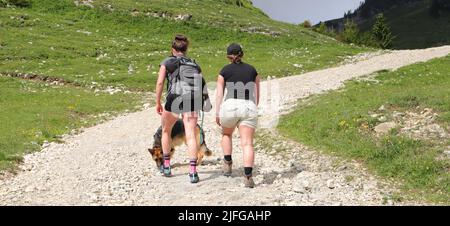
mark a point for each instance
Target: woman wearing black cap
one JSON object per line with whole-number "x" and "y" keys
{"x": 239, "y": 109}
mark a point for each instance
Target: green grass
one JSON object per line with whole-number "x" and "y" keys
{"x": 339, "y": 123}
{"x": 32, "y": 112}
{"x": 56, "y": 38}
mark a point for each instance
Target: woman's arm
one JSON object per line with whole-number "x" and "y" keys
{"x": 257, "y": 93}
{"x": 219, "y": 96}
{"x": 160, "y": 88}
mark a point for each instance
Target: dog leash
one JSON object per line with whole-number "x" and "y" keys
{"x": 201, "y": 127}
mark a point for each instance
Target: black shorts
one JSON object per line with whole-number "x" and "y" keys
{"x": 178, "y": 104}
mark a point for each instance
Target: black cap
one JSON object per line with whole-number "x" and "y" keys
{"x": 234, "y": 49}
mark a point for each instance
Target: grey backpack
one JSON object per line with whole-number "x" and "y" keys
{"x": 186, "y": 79}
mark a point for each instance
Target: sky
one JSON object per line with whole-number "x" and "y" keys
{"x": 297, "y": 11}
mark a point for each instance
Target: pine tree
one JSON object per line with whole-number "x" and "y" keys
{"x": 322, "y": 28}
{"x": 351, "y": 32}
{"x": 382, "y": 32}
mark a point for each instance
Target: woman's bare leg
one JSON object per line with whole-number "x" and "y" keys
{"x": 249, "y": 154}
{"x": 227, "y": 141}
{"x": 168, "y": 119}
{"x": 190, "y": 126}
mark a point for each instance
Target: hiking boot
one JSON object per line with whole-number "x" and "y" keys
{"x": 227, "y": 168}
{"x": 248, "y": 182}
{"x": 167, "y": 172}
{"x": 194, "y": 178}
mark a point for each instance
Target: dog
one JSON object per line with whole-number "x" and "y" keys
{"x": 178, "y": 138}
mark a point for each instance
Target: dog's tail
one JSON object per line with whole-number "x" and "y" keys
{"x": 206, "y": 150}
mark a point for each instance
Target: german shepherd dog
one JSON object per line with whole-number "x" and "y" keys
{"x": 178, "y": 138}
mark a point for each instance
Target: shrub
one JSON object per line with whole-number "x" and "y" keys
{"x": 382, "y": 32}
{"x": 306, "y": 24}
{"x": 322, "y": 28}
{"x": 240, "y": 3}
{"x": 367, "y": 39}
{"x": 16, "y": 3}
{"x": 351, "y": 32}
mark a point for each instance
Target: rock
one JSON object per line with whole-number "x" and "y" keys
{"x": 88, "y": 3}
{"x": 398, "y": 114}
{"x": 390, "y": 202}
{"x": 185, "y": 17}
{"x": 447, "y": 152}
{"x": 299, "y": 167}
{"x": 146, "y": 106}
{"x": 29, "y": 189}
{"x": 130, "y": 69}
{"x": 330, "y": 184}
{"x": 342, "y": 168}
{"x": 382, "y": 119}
{"x": 384, "y": 128}
{"x": 306, "y": 185}
{"x": 298, "y": 188}
{"x": 135, "y": 12}
{"x": 46, "y": 144}
{"x": 382, "y": 108}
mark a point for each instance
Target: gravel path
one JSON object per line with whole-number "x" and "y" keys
{"x": 108, "y": 164}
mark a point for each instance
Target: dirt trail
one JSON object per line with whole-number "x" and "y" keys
{"x": 108, "y": 164}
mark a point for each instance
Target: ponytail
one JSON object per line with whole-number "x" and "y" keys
{"x": 235, "y": 59}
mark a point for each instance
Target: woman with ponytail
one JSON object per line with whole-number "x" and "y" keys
{"x": 239, "y": 110}
{"x": 173, "y": 108}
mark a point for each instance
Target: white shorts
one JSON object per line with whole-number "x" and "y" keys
{"x": 236, "y": 112}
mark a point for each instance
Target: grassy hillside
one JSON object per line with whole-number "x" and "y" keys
{"x": 101, "y": 44}
{"x": 120, "y": 43}
{"x": 34, "y": 112}
{"x": 413, "y": 152}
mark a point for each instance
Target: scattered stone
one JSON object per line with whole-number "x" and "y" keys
{"x": 384, "y": 128}
{"x": 299, "y": 188}
{"x": 46, "y": 144}
{"x": 398, "y": 114}
{"x": 382, "y": 108}
{"x": 130, "y": 69}
{"x": 447, "y": 152}
{"x": 84, "y": 32}
{"x": 382, "y": 119}
{"x": 135, "y": 12}
{"x": 185, "y": 17}
{"x": 88, "y": 3}
{"x": 306, "y": 185}
{"x": 330, "y": 184}
{"x": 29, "y": 189}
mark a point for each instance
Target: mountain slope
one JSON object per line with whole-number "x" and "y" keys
{"x": 410, "y": 20}
{"x": 121, "y": 43}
